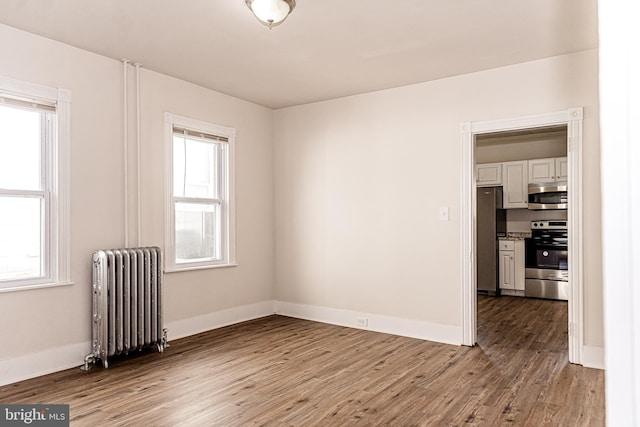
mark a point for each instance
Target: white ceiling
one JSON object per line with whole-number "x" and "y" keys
{"x": 325, "y": 49}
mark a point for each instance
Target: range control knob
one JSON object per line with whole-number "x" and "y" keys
{"x": 535, "y": 224}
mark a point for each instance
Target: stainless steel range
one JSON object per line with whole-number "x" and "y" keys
{"x": 546, "y": 260}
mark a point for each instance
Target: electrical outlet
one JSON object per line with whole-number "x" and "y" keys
{"x": 362, "y": 322}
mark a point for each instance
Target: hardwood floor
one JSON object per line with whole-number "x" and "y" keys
{"x": 280, "y": 371}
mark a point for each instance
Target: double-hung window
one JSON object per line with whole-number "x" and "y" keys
{"x": 199, "y": 194}
{"x": 33, "y": 186}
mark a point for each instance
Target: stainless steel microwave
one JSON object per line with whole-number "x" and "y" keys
{"x": 548, "y": 196}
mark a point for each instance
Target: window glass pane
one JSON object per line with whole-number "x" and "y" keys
{"x": 20, "y": 136}
{"x": 197, "y": 232}
{"x": 195, "y": 167}
{"x": 20, "y": 237}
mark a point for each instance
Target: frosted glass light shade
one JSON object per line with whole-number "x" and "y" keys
{"x": 271, "y": 12}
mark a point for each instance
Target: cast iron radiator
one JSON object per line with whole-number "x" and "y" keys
{"x": 127, "y": 303}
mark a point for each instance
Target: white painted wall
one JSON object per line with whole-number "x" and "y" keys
{"x": 359, "y": 181}
{"x": 50, "y": 327}
{"x": 620, "y": 94}
{"x": 554, "y": 145}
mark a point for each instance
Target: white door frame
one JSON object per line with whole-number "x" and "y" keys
{"x": 572, "y": 118}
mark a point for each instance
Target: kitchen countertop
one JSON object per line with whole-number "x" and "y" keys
{"x": 515, "y": 236}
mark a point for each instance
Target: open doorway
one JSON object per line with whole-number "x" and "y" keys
{"x": 571, "y": 120}
{"x": 522, "y": 239}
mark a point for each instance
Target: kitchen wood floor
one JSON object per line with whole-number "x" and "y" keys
{"x": 280, "y": 371}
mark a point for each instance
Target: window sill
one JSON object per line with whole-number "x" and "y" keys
{"x": 18, "y": 288}
{"x": 199, "y": 267}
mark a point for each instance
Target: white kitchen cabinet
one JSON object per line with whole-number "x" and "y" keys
{"x": 511, "y": 266}
{"x": 562, "y": 169}
{"x": 548, "y": 170}
{"x": 518, "y": 252}
{"x": 542, "y": 170}
{"x": 489, "y": 174}
{"x": 506, "y": 263}
{"x": 514, "y": 184}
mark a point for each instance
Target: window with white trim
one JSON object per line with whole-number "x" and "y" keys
{"x": 200, "y": 227}
{"x": 33, "y": 185}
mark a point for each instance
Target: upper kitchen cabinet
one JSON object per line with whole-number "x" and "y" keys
{"x": 548, "y": 170}
{"x": 514, "y": 184}
{"x": 562, "y": 168}
{"x": 489, "y": 174}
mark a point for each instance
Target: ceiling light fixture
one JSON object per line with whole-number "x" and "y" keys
{"x": 271, "y": 12}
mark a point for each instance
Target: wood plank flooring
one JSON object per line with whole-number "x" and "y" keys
{"x": 280, "y": 371}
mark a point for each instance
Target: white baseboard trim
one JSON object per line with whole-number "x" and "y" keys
{"x": 391, "y": 325}
{"x": 60, "y": 358}
{"x": 593, "y": 357}
{"x": 66, "y": 357}
{"x": 42, "y": 363}
{"x": 195, "y": 325}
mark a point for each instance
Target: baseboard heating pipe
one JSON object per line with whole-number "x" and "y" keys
{"x": 125, "y": 64}
{"x": 138, "y": 134}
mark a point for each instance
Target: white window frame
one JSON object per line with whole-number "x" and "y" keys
{"x": 56, "y": 263}
{"x": 227, "y": 198}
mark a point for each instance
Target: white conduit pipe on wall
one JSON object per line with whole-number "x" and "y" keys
{"x": 125, "y": 64}
{"x": 138, "y": 157}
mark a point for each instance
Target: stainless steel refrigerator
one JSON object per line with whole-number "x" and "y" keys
{"x": 491, "y": 223}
